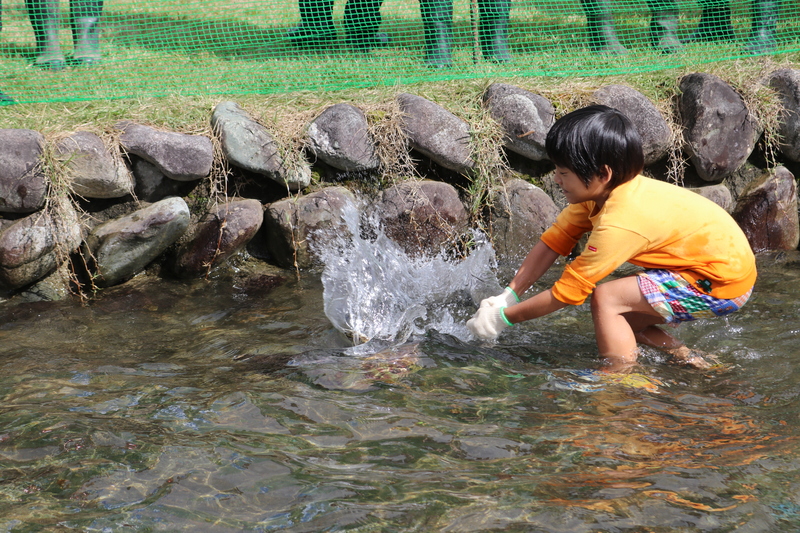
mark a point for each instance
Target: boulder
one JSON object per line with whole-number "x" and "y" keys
{"x": 151, "y": 184}
{"x": 124, "y": 246}
{"x": 654, "y": 130}
{"x": 719, "y": 130}
{"x": 422, "y": 217}
{"x": 719, "y": 194}
{"x": 248, "y": 145}
{"x": 33, "y": 247}
{"x": 93, "y": 171}
{"x": 767, "y": 212}
{"x": 222, "y": 232}
{"x": 340, "y": 137}
{"x": 436, "y": 133}
{"x": 294, "y": 223}
{"x": 179, "y": 156}
{"x": 525, "y": 118}
{"x": 786, "y": 83}
{"x": 520, "y": 213}
{"x": 23, "y": 185}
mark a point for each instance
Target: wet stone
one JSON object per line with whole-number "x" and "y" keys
{"x": 767, "y": 212}
{"x": 786, "y": 83}
{"x": 23, "y": 185}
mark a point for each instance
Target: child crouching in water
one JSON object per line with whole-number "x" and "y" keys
{"x": 697, "y": 261}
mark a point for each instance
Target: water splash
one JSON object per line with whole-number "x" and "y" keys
{"x": 374, "y": 292}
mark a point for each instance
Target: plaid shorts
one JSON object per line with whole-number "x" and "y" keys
{"x": 677, "y": 300}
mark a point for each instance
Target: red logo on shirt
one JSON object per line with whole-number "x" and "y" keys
{"x": 592, "y": 249}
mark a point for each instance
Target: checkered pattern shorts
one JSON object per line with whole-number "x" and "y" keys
{"x": 675, "y": 299}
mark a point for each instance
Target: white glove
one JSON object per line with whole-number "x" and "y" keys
{"x": 488, "y": 323}
{"x": 507, "y": 298}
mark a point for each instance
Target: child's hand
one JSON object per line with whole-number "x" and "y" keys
{"x": 488, "y": 322}
{"x": 507, "y": 298}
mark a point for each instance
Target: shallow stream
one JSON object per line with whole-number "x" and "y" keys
{"x": 228, "y": 405}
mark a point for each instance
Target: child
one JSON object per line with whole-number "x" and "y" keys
{"x": 697, "y": 261}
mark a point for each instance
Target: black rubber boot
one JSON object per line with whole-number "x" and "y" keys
{"x": 763, "y": 33}
{"x": 493, "y": 29}
{"x": 316, "y": 24}
{"x": 437, "y": 24}
{"x": 362, "y": 18}
{"x": 664, "y": 26}
{"x": 44, "y": 16}
{"x": 600, "y": 25}
{"x": 715, "y": 22}
{"x": 85, "y": 21}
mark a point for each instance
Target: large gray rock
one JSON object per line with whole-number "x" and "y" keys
{"x": 222, "y": 232}
{"x": 719, "y": 130}
{"x": 654, "y": 130}
{"x": 248, "y": 145}
{"x": 520, "y": 213}
{"x": 767, "y": 212}
{"x": 786, "y": 83}
{"x": 124, "y": 246}
{"x": 33, "y": 247}
{"x": 525, "y": 117}
{"x": 92, "y": 170}
{"x": 719, "y": 194}
{"x": 421, "y": 216}
{"x": 23, "y": 185}
{"x": 179, "y": 156}
{"x": 151, "y": 185}
{"x": 340, "y": 137}
{"x": 294, "y": 223}
{"x": 436, "y": 133}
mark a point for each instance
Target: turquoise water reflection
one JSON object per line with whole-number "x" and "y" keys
{"x": 232, "y": 406}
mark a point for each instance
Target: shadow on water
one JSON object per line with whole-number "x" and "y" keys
{"x": 235, "y": 405}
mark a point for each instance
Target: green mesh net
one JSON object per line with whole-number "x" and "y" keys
{"x": 84, "y": 50}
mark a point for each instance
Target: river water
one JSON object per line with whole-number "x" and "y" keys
{"x": 231, "y": 404}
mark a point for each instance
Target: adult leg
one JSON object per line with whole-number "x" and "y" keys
{"x": 664, "y": 25}
{"x": 763, "y": 32}
{"x": 362, "y": 18}
{"x": 316, "y": 24}
{"x": 85, "y": 21}
{"x": 493, "y": 29}
{"x": 715, "y": 22}
{"x": 600, "y": 24}
{"x": 437, "y": 25}
{"x": 44, "y": 16}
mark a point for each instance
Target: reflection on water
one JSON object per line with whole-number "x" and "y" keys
{"x": 234, "y": 406}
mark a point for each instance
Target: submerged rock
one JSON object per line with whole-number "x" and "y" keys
{"x": 525, "y": 117}
{"x": 179, "y": 156}
{"x": 767, "y": 212}
{"x": 93, "y": 171}
{"x": 23, "y": 185}
{"x": 340, "y": 137}
{"x": 122, "y": 247}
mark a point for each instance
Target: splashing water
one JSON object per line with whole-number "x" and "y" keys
{"x": 374, "y": 291}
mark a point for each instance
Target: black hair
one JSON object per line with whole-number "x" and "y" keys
{"x": 592, "y": 137}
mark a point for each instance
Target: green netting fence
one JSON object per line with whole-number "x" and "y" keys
{"x": 86, "y": 50}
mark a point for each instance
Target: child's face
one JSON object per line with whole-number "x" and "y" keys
{"x": 576, "y": 191}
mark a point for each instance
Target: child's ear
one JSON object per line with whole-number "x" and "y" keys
{"x": 604, "y": 175}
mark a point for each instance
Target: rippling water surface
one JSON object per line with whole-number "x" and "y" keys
{"x": 231, "y": 405}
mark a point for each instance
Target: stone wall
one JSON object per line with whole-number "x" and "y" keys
{"x": 84, "y": 212}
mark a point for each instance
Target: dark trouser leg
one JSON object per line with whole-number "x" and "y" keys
{"x": 316, "y": 24}
{"x": 362, "y": 18}
{"x": 664, "y": 25}
{"x": 493, "y": 29}
{"x": 715, "y": 22}
{"x": 437, "y": 23}
{"x": 763, "y": 32}
{"x": 44, "y": 17}
{"x": 85, "y": 20}
{"x": 600, "y": 24}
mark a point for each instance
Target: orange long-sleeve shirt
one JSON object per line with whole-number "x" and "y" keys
{"x": 652, "y": 224}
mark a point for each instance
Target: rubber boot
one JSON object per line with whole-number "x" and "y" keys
{"x": 715, "y": 22}
{"x": 85, "y": 21}
{"x": 600, "y": 25}
{"x": 44, "y": 17}
{"x": 316, "y": 24}
{"x": 437, "y": 24}
{"x": 493, "y": 29}
{"x": 362, "y": 18}
{"x": 763, "y": 33}
{"x": 664, "y": 26}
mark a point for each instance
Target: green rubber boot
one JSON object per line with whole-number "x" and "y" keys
{"x": 715, "y": 22}
{"x": 44, "y": 16}
{"x": 362, "y": 18}
{"x": 85, "y": 21}
{"x": 316, "y": 28}
{"x": 493, "y": 29}
{"x": 664, "y": 26}
{"x": 763, "y": 33}
{"x": 600, "y": 25}
{"x": 437, "y": 24}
